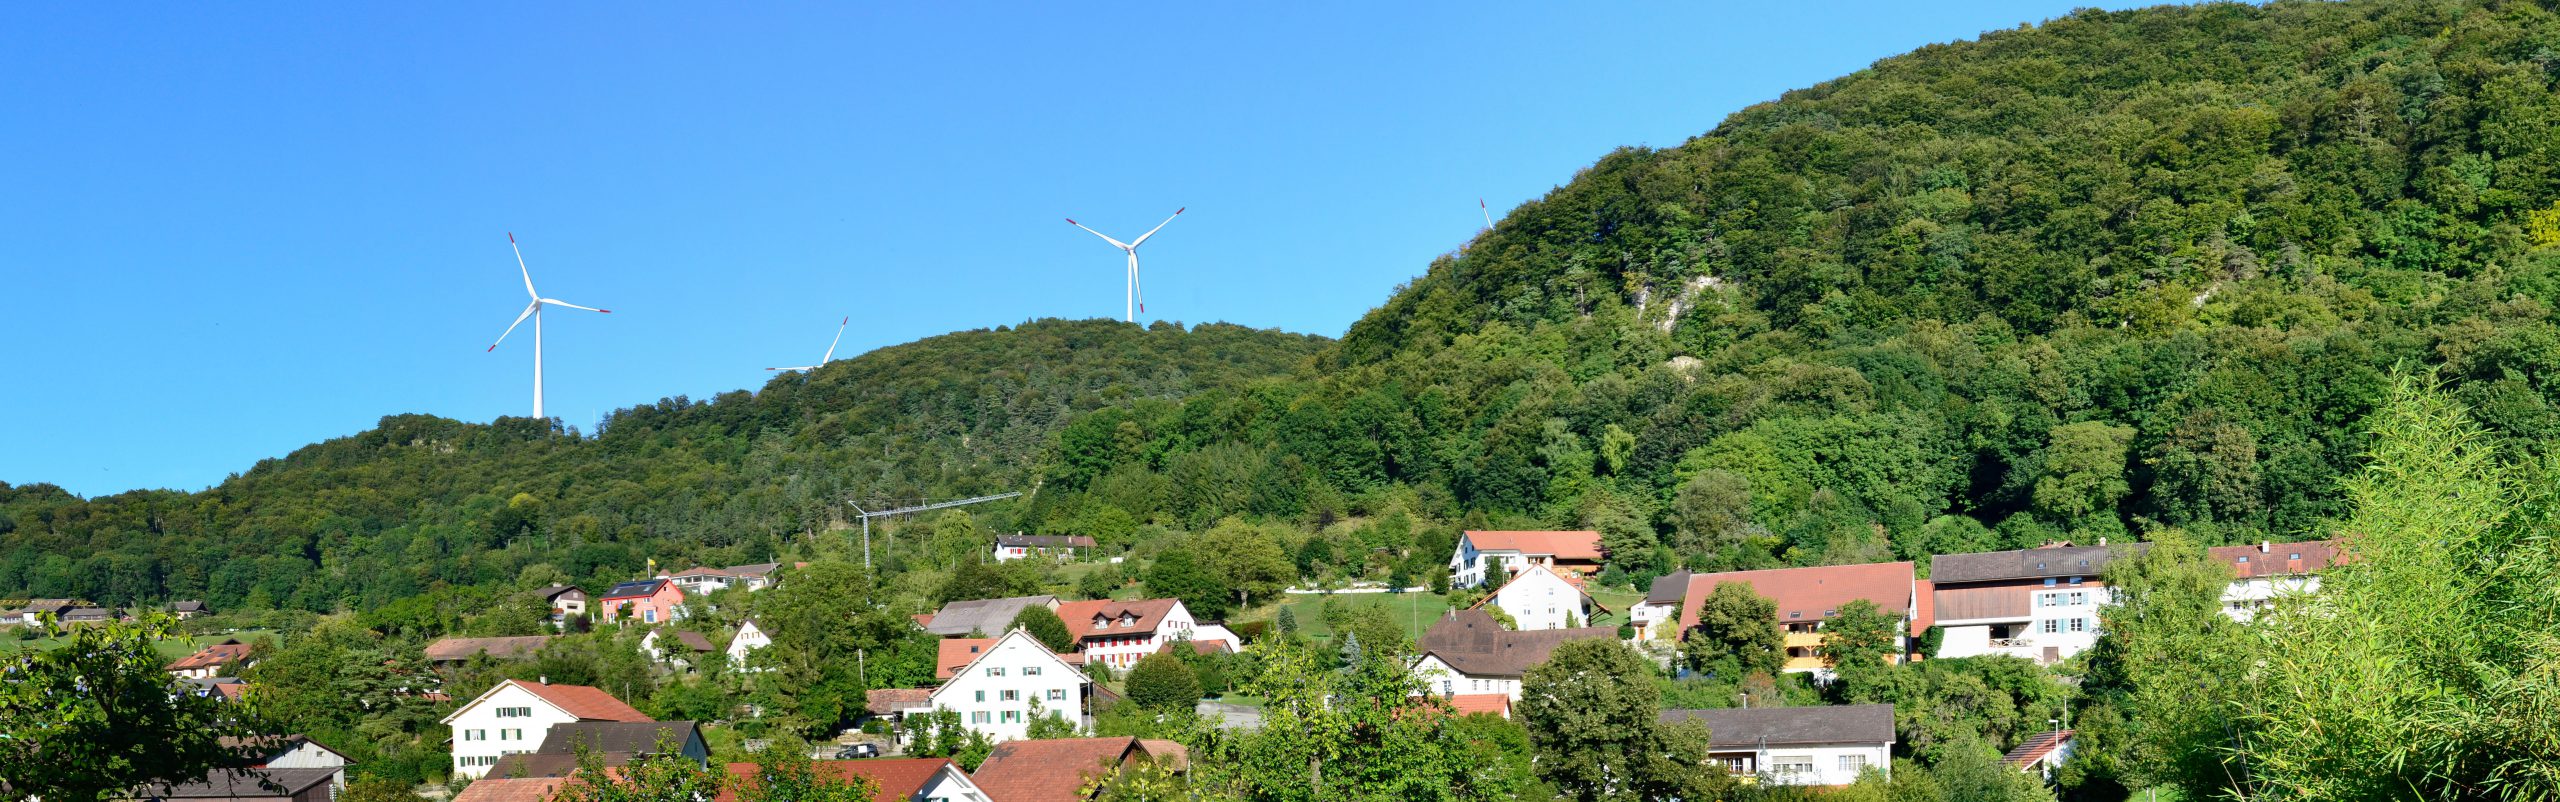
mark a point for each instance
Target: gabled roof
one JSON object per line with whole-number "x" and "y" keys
{"x": 2051, "y": 561}
{"x": 1147, "y": 614}
{"x": 2258, "y": 560}
{"x": 214, "y": 656}
{"x": 638, "y": 589}
{"x": 1565, "y": 545}
{"x": 1056, "y": 770}
{"x": 898, "y": 779}
{"x": 499, "y": 788}
{"x": 1045, "y": 541}
{"x": 270, "y": 747}
{"x": 636, "y": 737}
{"x": 756, "y": 570}
{"x": 226, "y": 784}
{"x": 988, "y": 616}
{"x": 553, "y": 592}
{"x": 1747, "y": 728}
{"x": 578, "y": 701}
{"x": 1540, "y": 569}
{"x": 884, "y": 701}
{"x": 1498, "y": 704}
{"x": 530, "y": 765}
{"x": 691, "y": 639}
{"x": 952, "y": 654}
{"x": 2035, "y": 748}
{"x": 1807, "y": 595}
{"x": 1669, "y": 588}
{"x": 1471, "y": 642}
{"x": 186, "y": 607}
{"x": 513, "y": 648}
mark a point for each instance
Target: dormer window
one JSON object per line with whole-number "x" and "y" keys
{"x": 1794, "y": 614}
{"x": 2244, "y": 559}
{"x": 2294, "y": 556}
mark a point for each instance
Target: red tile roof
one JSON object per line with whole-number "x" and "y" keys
{"x": 213, "y": 656}
{"x": 588, "y": 704}
{"x": 1806, "y": 595}
{"x": 2256, "y": 560}
{"x": 511, "y": 648}
{"x": 884, "y": 701}
{"x": 1079, "y": 616}
{"x": 511, "y": 789}
{"x": 953, "y": 654}
{"x": 1472, "y": 703}
{"x": 1924, "y": 594}
{"x": 1575, "y": 545}
{"x": 898, "y": 779}
{"x": 2035, "y": 748}
{"x": 1051, "y": 770}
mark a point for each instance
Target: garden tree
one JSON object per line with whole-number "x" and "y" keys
{"x": 1044, "y": 625}
{"x": 1369, "y": 618}
{"x": 1859, "y": 642}
{"x": 2165, "y": 673}
{"x": 1139, "y": 780}
{"x": 940, "y": 734}
{"x": 1180, "y": 575}
{"x": 1991, "y": 700}
{"x": 1499, "y": 747}
{"x": 1247, "y": 561}
{"x": 1368, "y": 734}
{"x": 2083, "y": 474}
{"x": 956, "y": 538}
{"x": 1048, "y": 724}
{"x": 1591, "y": 711}
{"x": 1735, "y": 624}
{"x": 973, "y": 578}
{"x": 374, "y": 788}
{"x": 784, "y": 774}
{"x": 1163, "y": 682}
{"x": 92, "y": 719}
{"x": 836, "y": 636}
{"x": 663, "y": 774}
{"x": 1286, "y": 622}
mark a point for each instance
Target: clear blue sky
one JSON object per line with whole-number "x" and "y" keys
{"x": 232, "y": 230}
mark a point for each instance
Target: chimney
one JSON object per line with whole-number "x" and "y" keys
{"x": 2102, "y": 540}
{"x": 2262, "y": 547}
{"x": 542, "y": 680}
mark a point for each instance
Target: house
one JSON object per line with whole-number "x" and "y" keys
{"x": 2266, "y": 572}
{"x": 1118, "y": 634}
{"x": 615, "y": 743}
{"x": 509, "y": 789}
{"x": 1466, "y": 652}
{"x": 212, "y": 661}
{"x": 748, "y": 638}
{"x": 898, "y": 780}
{"x": 89, "y": 615}
{"x": 1807, "y": 598}
{"x": 1539, "y": 598}
{"x": 567, "y": 604}
{"x": 756, "y": 576}
{"x": 1002, "y": 686}
{"x": 701, "y": 580}
{"x": 1057, "y": 770}
{"x": 647, "y": 601}
{"x": 38, "y": 608}
{"x": 455, "y": 650}
{"x": 1822, "y": 746}
{"x": 2040, "y": 604}
{"x": 252, "y": 785}
{"x": 515, "y": 716}
{"x": 295, "y": 751}
{"x": 1058, "y": 547}
{"x": 1661, "y": 603}
{"x": 983, "y": 616}
{"x": 2041, "y": 754}
{"x": 228, "y": 689}
{"x": 1483, "y": 557}
{"x": 188, "y": 609}
{"x": 694, "y": 642}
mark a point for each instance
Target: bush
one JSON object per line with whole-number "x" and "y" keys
{"x": 1162, "y": 682}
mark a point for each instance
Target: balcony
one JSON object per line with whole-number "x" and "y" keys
{"x": 2013, "y": 643}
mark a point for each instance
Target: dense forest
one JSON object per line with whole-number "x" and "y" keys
{"x": 2116, "y": 272}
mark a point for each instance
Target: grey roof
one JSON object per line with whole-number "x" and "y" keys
{"x": 1993, "y": 566}
{"x": 89, "y": 614}
{"x": 1746, "y": 728}
{"x": 1470, "y": 641}
{"x": 757, "y": 569}
{"x": 1045, "y": 541}
{"x": 553, "y": 592}
{"x": 642, "y": 587}
{"x": 989, "y": 616}
{"x": 1668, "y": 589}
{"x": 187, "y": 606}
{"x": 528, "y": 764}
{"x": 617, "y": 736}
{"x": 226, "y": 784}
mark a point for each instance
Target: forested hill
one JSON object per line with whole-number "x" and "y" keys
{"x": 2118, "y": 271}
{"x": 419, "y": 500}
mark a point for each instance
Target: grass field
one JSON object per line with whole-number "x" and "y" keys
{"x": 1415, "y": 610}
{"x": 171, "y": 649}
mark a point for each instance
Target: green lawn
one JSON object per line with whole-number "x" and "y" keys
{"x": 1416, "y": 610}
{"x": 171, "y": 649}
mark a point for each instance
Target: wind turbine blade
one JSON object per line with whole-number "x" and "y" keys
{"x": 1105, "y": 237}
{"x": 572, "y": 306}
{"x": 1138, "y": 289}
{"x": 528, "y": 272}
{"x": 831, "y": 344}
{"x": 529, "y": 309}
{"x": 1142, "y": 238}
{"x": 1488, "y": 212}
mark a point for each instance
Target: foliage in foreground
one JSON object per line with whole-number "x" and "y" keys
{"x": 96, "y": 717}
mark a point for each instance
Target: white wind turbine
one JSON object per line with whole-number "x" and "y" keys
{"x": 534, "y": 310}
{"x": 1133, "y": 305}
{"x": 831, "y": 348}
{"x": 1488, "y": 213}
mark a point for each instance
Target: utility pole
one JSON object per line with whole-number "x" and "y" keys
{"x": 867, "y": 515}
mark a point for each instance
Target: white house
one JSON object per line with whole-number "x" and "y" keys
{"x": 1055, "y": 547}
{"x": 658, "y": 651}
{"x": 1483, "y": 557}
{"x": 1661, "y": 603}
{"x": 1825, "y": 745}
{"x": 2040, "y": 604}
{"x": 748, "y": 639}
{"x": 513, "y": 717}
{"x": 296, "y": 752}
{"x": 1468, "y": 654}
{"x": 1537, "y": 598}
{"x": 2041, "y": 754}
{"x": 998, "y": 691}
{"x": 2266, "y": 572}
{"x": 1119, "y": 634}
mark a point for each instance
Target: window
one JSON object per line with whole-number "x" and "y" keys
{"x": 1448, "y": 688}
{"x": 1057, "y": 694}
{"x": 1797, "y": 764}
{"x": 1794, "y": 614}
{"x": 2079, "y": 598}
{"x": 2048, "y": 581}
{"x": 995, "y": 671}
{"x": 2052, "y": 625}
{"x": 1010, "y": 696}
{"x": 2294, "y": 556}
{"x": 1031, "y": 671}
{"x": 649, "y": 615}
{"x": 1013, "y": 717}
{"x": 981, "y": 717}
{"x": 2079, "y": 625}
{"x": 1737, "y": 765}
{"x": 982, "y": 696}
{"x": 1852, "y": 764}
{"x": 1830, "y": 613}
{"x": 2244, "y": 558}
{"x": 2075, "y": 580}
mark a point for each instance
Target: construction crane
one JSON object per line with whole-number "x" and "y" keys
{"x": 867, "y": 515}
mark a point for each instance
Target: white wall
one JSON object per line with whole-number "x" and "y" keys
{"x": 481, "y": 735}
{"x": 1131, "y": 645}
{"x": 1825, "y": 761}
{"x": 949, "y": 785}
{"x": 1538, "y": 599}
{"x": 1020, "y": 665}
{"x": 307, "y": 755}
{"x": 1441, "y": 679}
{"x": 1647, "y": 616}
{"x": 2243, "y": 598}
{"x": 748, "y": 639}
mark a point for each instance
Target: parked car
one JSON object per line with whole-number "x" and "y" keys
{"x": 858, "y": 752}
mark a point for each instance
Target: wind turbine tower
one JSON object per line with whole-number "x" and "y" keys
{"x": 1135, "y": 302}
{"x": 534, "y": 310}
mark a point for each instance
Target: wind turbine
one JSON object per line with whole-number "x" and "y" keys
{"x": 1133, "y": 305}
{"x": 1488, "y": 214}
{"x": 831, "y": 348}
{"x": 534, "y": 310}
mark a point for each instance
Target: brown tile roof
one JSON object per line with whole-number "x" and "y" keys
{"x": 2257, "y": 560}
{"x": 588, "y": 704}
{"x": 1080, "y": 615}
{"x": 495, "y": 788}
{"x": 1176, "y": 756}
{"x": 2036, "y": 747}
{"x": 1051, "y": 770}
{"x": 1745, "y": 728}
{"x": 884, "y": 701}
{"x": 898, "y": 779}
{"x": 225, "y": 784}
{"x": 530, "y": 765}
{"x": 214, "y": 656}
{"x": 1472, "y": 703}
{"x": 1573, "y": 545}
{"x": 2037, "y": 563}
{"x": 1924, "y": 593}
{"x": 1808, "y": 595}
{"x": 1471, "y": 642}
{"x": 516, "y": 648}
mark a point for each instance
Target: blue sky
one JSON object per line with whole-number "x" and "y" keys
{"x": 227, "y": 235}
